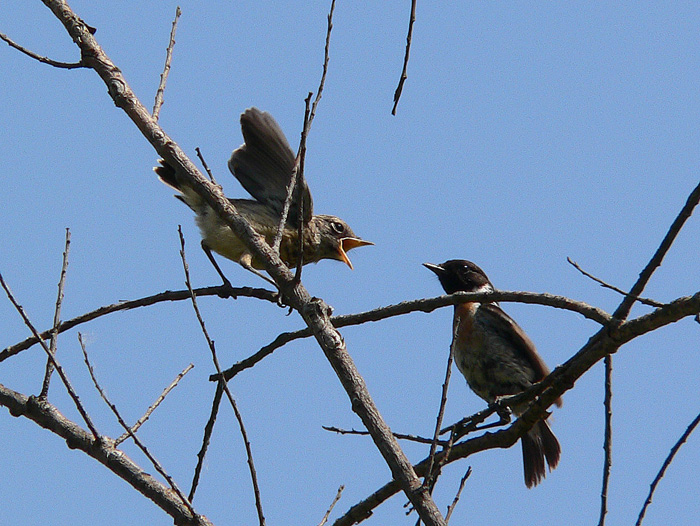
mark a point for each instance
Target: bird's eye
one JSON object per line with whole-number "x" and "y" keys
{"x": 338, "y": 228}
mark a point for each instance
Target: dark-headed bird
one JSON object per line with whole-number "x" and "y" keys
{"x": 497, "y": 358}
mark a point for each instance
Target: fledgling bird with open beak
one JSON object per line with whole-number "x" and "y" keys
{"x": 264, "y": 165}
{"x": 497, "y": 358}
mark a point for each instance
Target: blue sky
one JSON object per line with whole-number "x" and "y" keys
{"x": 525, "y": 134}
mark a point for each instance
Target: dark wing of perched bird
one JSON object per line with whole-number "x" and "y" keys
{"x": 510, "y": 331}
{"x": 265, "y": 163}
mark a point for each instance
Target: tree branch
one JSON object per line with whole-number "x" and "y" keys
{"x": 624, "y": 309}
{"x": 43, "y": 60}
{"x": 48, "y": 417}
{"x": 422, "y": 305}
{"x": 606, "y": 342}
{"x": 166, "y": 68}
{"x": 178, "y": 295}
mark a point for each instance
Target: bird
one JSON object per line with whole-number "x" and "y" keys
{"x": 264, "y": 165}
{"x": 497, "y": 359}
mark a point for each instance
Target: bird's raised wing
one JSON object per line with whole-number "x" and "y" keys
{"x": 264, "y": 165}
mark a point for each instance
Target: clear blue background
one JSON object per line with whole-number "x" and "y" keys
{"x": 526, "y": 133}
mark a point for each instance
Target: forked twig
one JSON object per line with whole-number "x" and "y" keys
{"x": 298, "y": 165}
{"x": 462, "y": 483}
{"x": 54, "y": 362}
{"x": 126, "y": 427}
{"x": 645, "y": 301}
{"x": 154, "y": 406}
{"x": 208, "y": 430}
{"x": 212, "y": 348}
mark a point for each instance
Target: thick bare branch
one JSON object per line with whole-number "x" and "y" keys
{"x": 314, "y": 311}
{"x": 48, "y": 417}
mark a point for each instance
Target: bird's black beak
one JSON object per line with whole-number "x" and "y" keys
{"x": 435, "y": 268}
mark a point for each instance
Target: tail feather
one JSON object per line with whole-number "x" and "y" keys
{"x": 166, "y": 173}
{"x": 539, "y": 444}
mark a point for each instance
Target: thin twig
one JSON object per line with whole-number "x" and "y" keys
{"x": 206, "y": 166}
{"x": 623, "y": 310}
{"x": 428, "y": 479}
{"x": 462, "y": 483}
{"x": 222, "y": 291}
{"x": 56, "y": 317}
{"x": 166, "y": 69}
{"x": 404, "y": 76}
{"x": 607, "y": 443}
{"x": 400, "y": 436}
{"x": 645, "y": 301}
{"x": 326, "y": 59}
{"x": 43, "y": 60}
{"x": 422, "y": 305}
{"x": 154, "y": 405}
{"x": 285, "y": 209}
{"x": 208, "y": 430}
{"x": 54, "y": 361}
{"x": 212, "y": 348}
{"x": 138, "y": 442}
{"x": 665, "y": 465}
{"x": 308, "y": 119}
{"x": 330, "y": 509}
{"x": 300, "y": 184}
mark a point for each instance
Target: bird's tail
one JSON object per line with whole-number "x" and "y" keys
{"x": 168, "y": 175}
{"x": 539, "y": 444}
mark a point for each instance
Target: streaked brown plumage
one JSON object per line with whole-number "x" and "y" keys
{"x": 264, "y": 165}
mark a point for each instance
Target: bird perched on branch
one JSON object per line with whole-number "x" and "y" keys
{"x": 264, "y": 165}
{"x": 497, "y": 359}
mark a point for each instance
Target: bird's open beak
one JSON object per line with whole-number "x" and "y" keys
{"x": 348, "y": 243}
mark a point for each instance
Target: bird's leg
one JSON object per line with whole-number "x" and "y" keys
{"x": 207, "y": 251}
{"x": 246, "y": 261}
